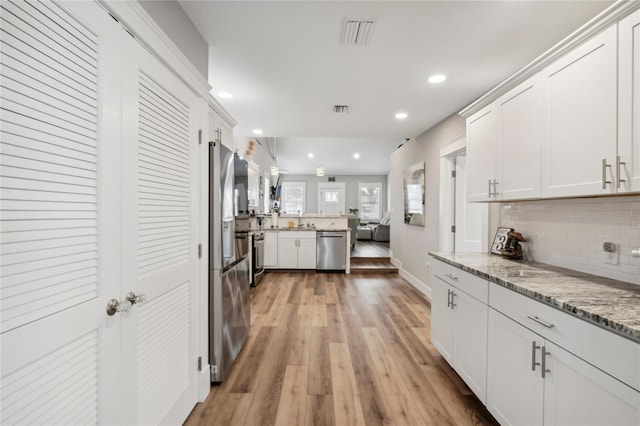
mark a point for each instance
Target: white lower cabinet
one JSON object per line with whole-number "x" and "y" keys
{"x": 270, "y": 249}
{"x": 533, "y": 381}
{"x": 297, "y": 250}
{"x": 532, "y": 364}
{"x": 459, "y": 330}
{"x": 514, "y": 389}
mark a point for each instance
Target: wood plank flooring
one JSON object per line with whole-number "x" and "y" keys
{"x": 335, "y": 349}
{"x": 369, "y": 248}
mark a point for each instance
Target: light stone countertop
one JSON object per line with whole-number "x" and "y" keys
{"x": 286, "y": 228}
{"x": 611, "y": 304}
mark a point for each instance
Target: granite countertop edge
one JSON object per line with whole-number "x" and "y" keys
{"x": 629, "y": 332}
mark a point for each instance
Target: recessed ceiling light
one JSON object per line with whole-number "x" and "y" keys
{"x": 437, "y": 78}
{"x": 401, "y": 115}
{"x": 356, "y": 155}
{"x": 257, "y": 131}
{"x": 310, "y": 155}
{"x": 225, "y": 95}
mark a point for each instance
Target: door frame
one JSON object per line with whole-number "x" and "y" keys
{"x": 447, "y": 198}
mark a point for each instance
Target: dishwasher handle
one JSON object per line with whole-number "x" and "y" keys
{"x": 331, "y": 234}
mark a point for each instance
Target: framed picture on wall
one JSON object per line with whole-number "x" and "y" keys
{"x": 499, "y": 240}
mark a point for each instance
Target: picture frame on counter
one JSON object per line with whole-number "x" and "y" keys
{"x": 499, "y": 240}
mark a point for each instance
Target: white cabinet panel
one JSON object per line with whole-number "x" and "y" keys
{"x": 307, "y": 253}
{"x": 628, "y": 165}
{"x": 442, "y": 327}
{"x": 287, "y": 253}
{"x": 577, "y": 393}
{"x": 579, "y": 120}
{"x": 271, "y": 249}
{"x": 570, "y": 391}
{"x": 297, "y": 250}
{"x": 518, "y": 114}
{"x": 482, "y": 146}
{"x": 459, "y": 324}
{"x": 514, "y": 385}
{"x": 470, "y": 354}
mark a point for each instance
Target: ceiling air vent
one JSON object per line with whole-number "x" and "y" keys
{"x": 341, "y": 109}
{"x": 357, "y": 31}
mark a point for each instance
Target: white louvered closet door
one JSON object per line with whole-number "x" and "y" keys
{"x": 60, "y": 203}
{"x": 160, "y": 256}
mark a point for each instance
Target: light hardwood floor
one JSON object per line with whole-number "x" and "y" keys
{"x": 335, "y": 349}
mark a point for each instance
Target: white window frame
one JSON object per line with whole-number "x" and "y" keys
{"x": 362, "y": 185}
{"x": 283, "y": 201}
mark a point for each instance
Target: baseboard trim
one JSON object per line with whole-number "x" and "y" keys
{"x": 415, "y": 282}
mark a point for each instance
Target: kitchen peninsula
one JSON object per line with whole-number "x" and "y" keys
{"x": 290, "y": 241}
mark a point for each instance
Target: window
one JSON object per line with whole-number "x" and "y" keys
{"x": 292, "y": 197}
{"x": 369, "y": 199}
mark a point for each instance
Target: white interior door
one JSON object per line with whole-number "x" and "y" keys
{"x": 160, "y": 229}
{"x": 468, "y": 216}
{"x": 60, "y": 186}
{"x": 331, "y": 198}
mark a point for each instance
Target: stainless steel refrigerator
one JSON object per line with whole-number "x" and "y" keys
{"x": 229, "y": 318}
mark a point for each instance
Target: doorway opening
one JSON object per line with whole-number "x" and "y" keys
{"x": 463, "y": 224}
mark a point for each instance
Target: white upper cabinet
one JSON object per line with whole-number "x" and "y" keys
{"x": 503, "y": 147}
{"x": 482, "y": 155}
{"x": 579, "y": 121}
{"x": 628, "y": 161}
{"x": 518, "y": 115}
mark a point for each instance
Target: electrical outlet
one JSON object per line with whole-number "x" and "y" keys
{"x": 612, "y": 254}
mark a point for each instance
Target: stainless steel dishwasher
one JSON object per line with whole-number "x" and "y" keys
{"x": 331, "y": 250}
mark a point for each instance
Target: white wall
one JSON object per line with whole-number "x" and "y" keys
{"x": 410, "y": 244}
{"x": 570, "y": 233}
{"x": 174, "y": 22}
{"x": 351, "y": 188}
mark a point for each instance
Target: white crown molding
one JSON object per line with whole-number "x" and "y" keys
{"x": 605, "y": 19}
{"x": 141, "y": 25}
{"x": 219, "y": 109}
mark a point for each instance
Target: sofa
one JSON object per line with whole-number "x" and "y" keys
{"x": 381, "y": 231}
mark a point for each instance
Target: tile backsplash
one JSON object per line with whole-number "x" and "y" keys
{"x": 570, "y": 233}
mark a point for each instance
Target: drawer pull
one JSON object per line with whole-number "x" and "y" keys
{"x": 539, "y": 321}
{"x": 453, "y": 277}
{"x": 534, "y": 348}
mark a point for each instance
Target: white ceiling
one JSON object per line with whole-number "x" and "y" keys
{"x": 285, "y": 66}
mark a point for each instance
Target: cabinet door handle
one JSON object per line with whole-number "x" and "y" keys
{"x": 619, "y": 171}
{"x": 544, "y": 362}
{"x": 495, "y": 188}
{"x": 539, "y": 321}
{"x": 453, "y": 277}
{"x": 453, "y": 303}
{"x": 448, "y": 298}
{"x": 490, "y": 193}
{"x": 605, "y": 182}
{"x": 534, "y": 348}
